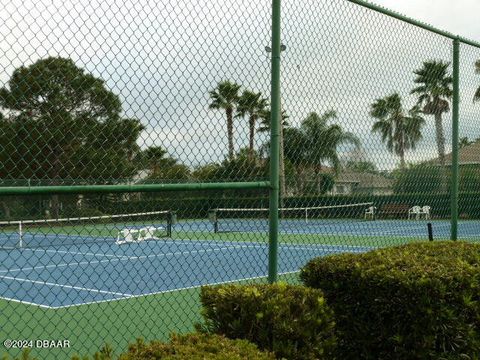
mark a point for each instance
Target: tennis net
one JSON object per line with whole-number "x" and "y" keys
{"x": 81, "y": 230}
{"x": 256, "y": 219}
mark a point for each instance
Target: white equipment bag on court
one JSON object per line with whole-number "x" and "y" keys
{"x": 129, "y": 235}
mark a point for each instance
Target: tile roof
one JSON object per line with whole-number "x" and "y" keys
{"x": 364, "y": 180}
{"x": 469, "y": 154}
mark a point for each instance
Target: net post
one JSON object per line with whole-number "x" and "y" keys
{"x": 20, "y": 234}
{"x": 212, "y": 216}
{"x": 455, "y": 125}
{"x": 430, "y": 232}
{"x": 274, "y": 144}
{"x": 306, "y": 215}
{"x": 171, "y": 219}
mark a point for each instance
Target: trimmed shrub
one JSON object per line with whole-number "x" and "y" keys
{"x": 195, "y": 347}
{"x": 106, "y": 353}
{"x": 292, "y": 321}
{"x": 417, "y": 301}
{"x": 25, "y": 355}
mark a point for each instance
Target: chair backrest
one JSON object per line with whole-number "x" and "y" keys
{"x": 426, "y": 208}
{"x": 371, "y": 209}
{"x": 416, "y": 209}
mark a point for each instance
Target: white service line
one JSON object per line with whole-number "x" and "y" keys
{"x": 316, "y": 247}
{"x": 63, "y": 286}
{"x": 406, "y": 230}
{"x": 120, "y": 259}
{"x": 403, "y": 232}
{"x": 27, "y": 303}
{"x": 322, "y": 248}
{"x": 172, "y": 290}
{"x": 72, "y": 252}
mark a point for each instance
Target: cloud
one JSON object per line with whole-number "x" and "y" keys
{"x": 458, "y": 17}
{"x": 163, "y": 58}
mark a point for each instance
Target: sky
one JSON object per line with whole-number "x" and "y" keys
{"x": 459, "y": 17}
{"x": 163, "y": 57}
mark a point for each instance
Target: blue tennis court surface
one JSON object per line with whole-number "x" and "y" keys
{"x": 75, "y": 275}
{"x": 83, "y": 273}
{"x": 415, "y": 229}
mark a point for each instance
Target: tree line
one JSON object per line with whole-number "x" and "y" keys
{"x": 58, "y": 122}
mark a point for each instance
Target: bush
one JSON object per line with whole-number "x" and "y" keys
{"x": 195, "y": 347}
{"x": 198, "y": 207}
{"x": 106, "y": 353}
{"x": 417, "y": 301}
{"x": 292, "y": 321}
{"x": 25, "y": 355}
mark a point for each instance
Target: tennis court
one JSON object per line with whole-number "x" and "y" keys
{"x": 63, "y": 276}
{"x": 468, "y": 229}
{"x": 73, "y": 264}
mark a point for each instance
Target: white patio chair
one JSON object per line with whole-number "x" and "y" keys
{"x": 370, "y": 212}
{"x": 416, "y": 210}
{"x": 426, "y": 211}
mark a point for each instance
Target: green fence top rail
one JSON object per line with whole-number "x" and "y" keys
{"x": 414, "y": 22}
{"x": 77, "y": 189}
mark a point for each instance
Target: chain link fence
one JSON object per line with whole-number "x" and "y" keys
{"x": 136, "y": 147}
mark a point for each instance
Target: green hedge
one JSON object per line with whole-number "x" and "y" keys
{"x": 196, "y": 347}
{"x": 292, "y": 321}
{"x": 197, "y": 207}
{"x": 417, "y": 301}
{"x": 25, "y": 355}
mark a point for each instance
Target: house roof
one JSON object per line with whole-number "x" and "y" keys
{"x": 467, "y": 155}
{"x": 364, "y": 180}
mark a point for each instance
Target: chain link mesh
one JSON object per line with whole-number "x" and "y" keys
{"x": 139, "y": 93}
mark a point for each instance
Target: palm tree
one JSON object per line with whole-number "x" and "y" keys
{"x": 265, "y": 122}
{"x": 434, "y": 92}
{"x": 253, "y": 105}
{"x": 266, "y": 117}
{"x": 322, "y": 141}
{"x": 400, "y": 130}
{"x": 476, "y": 97}
{"x": 294, "y": 153}
{"x": 225, "y": 97}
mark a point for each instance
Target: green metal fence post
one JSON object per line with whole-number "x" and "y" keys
{"x": 274, "y": 144}
{"x": 455, "y": 120}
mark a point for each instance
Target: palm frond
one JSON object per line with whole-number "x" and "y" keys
{"x": 476, "y": 97}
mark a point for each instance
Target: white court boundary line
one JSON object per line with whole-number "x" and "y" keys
{"x": 281, "y": 244}
{"x": 131, "y": 296}
{"x": 319, "y": 247}
{"x": 402, "y": 233}
{"x": 46, "y": 283}
{"x": 72, "y": 252}
{"x": 27, "y": 303}
{"x": 120, "y": 259}
{"x": 187, "y": 252}
{"x": 100, "y": 240}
